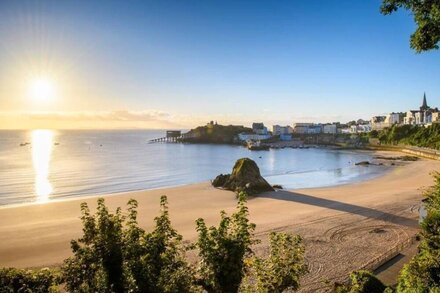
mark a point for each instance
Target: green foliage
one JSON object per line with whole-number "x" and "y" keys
{"x": 97, "y": 262}
{"x": 115, "y": 255}
{"x": 374, "y": 133}
{"x": 27, "y": 281}
{"x": 283, "y": 267}
{"x": 412, "y": 135}
{"x": 432, "y": 201}
{"x": 156, "y": 261}
{"x": 422, "y": 273}
{"x": 215, "y": 133}
{"x": 427, "y": 17}
{"x": 222, "y": 250}
{"x": 362, "y": 282}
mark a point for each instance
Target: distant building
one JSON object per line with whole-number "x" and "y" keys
{"x": 279, "y": 130}
{"x": 361, "y": 128}
{"x": 301, "y": 128}
{"x": 393, "y": 118}
{"x": 422, "y": 116}
{"x": 344, "y": 130}
{"x": 435, "y": 117}
{"x": 378, "y": 123}
{"x": 314, "y": 129}
{"x": 330, "y": 128}
{"x": 286, "y": 137}
{"x": 252, "y": 136}
{"x": 259, "y": 128}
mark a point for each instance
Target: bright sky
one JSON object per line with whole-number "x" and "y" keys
{"x": 165, "y": 64}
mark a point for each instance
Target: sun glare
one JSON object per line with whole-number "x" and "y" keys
{"x": 42, "y": 89}
{"x": 42, "y": 141}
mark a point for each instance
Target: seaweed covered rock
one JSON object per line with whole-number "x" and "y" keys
{"x": 245, "y": 176}
{"x": 220, "y": 180}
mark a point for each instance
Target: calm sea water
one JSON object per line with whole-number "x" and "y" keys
{"x": 61, "y": 164}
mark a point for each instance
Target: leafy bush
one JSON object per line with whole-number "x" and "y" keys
{"x": 115, "y": 255}
{"x": 27, "y": 281}
{"x": 222, "y": 250}
{"x": 362, "y": 282}
{"x": 422, "y": 273}
{"x": 283, "y": 267}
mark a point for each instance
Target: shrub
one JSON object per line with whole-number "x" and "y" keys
{"x": 283, "y": 267}
{"x": 222, "y": 250}
{"x": 115, "y": 255}
{"x": 362, "y": 282}
{"x": 27, "y": 281}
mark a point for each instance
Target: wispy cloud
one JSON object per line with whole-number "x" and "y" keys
{"x": 97, "y": 119}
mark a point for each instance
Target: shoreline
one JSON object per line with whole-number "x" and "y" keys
{"x": 336, "y": 223}
{"x": 360, "y": 178}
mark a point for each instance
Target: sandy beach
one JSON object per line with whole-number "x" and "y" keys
{"x": 343, "y": 226}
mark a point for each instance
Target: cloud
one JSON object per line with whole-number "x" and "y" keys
{"x": 98, "y": 119}
{"x": 121, "y": 115}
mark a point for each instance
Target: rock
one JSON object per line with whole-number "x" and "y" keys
{"x": 220, "y": 180}
{"x": 277, "y": 186}
{"x": 245, "y": 176}
{"x": 409, "y": 158}
{"x": 362, "y": 163}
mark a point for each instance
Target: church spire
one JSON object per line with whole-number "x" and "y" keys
{"x": 425, "y": 104}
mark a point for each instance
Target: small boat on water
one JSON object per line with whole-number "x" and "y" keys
{"x": 256, "y": 146}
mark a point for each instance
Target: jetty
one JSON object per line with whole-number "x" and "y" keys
{"x": 170, "y": 136}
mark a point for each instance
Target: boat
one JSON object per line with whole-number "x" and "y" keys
{"x": 24, "y": 144}
{"x": 256, "y": 146}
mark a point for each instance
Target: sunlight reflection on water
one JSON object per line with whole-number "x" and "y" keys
{"x": 42, "y": 141}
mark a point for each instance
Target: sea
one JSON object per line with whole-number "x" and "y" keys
{"x": 44, "y": 165}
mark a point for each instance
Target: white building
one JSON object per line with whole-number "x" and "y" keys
{"x": 314, "y": 129}
{"x": 361, "y": 128}
{"x": 393, "y": 118}
{"x": 330, "y": 128}
{"x": 252, "y": 136}
{"x": 301, "y": 127}
{"x": 286, "y": 137}
{"x": 378, "y": 123}
{"x": 259, "y": 128}
{"x": 425, "y": 114}
{"x": 279, "y": 130}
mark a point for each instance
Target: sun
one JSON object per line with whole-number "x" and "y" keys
{"x": 42, "y": 89}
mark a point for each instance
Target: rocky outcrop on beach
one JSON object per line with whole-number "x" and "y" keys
{"x": 245, "y": 176}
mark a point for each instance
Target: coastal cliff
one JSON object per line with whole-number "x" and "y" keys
{"x": 215, "y": 133}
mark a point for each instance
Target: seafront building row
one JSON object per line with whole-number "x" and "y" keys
{"x": 424, "y": 116}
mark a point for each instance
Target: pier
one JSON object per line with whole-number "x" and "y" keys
{"x": 171, "y": 136}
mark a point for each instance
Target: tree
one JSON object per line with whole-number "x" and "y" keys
{"x": 115, "y": 255}
{"x": 156, "y": 261}
{"x": 362, "y": 282}
{"x": 422, "y": 273}
{"x": 427, "y": 17}
{"x": 97, "y": 262}
{"x": 222, "y": 250}
{"x": 27, "y": 281}
{"x": 283, "y": 267}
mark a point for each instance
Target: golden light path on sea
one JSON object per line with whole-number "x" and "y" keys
{"x": 42, "y": 142}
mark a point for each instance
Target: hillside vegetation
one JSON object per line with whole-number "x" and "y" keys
{"x": 215, "y": 133}
{"x": 411, "y": 135}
